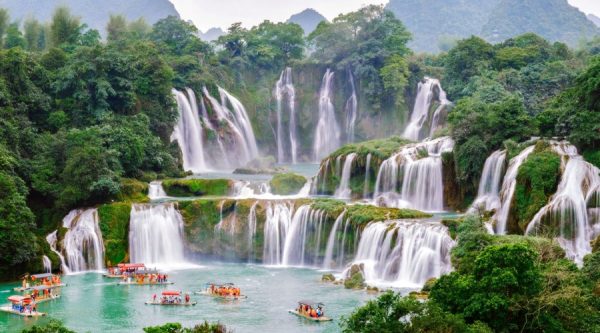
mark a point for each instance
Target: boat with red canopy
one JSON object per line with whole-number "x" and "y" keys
{"x": 23, "y": 306}
{"x": 226, "y": 291}
{"x": 45, "y": 279}
{"x": 171, "y": 298}
{"x": 124, "y": 270}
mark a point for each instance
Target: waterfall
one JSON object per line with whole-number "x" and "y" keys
{"x": 82, "y": 244}
{"x": 420, "y": 117}
{"x": 351, "y": 110}
{"x": 367, "y": 172}
{"x": 327, "y": 134}
{"x": 188, "y": 132}
{"x": 329, "y": 262}
{"x": 277, "y": 224}
{"x": 344, "y": 191}
{"x": 419, "y": 167}
{"x": 251, "y": 231}
{"x": 156, "y": 191}
{"x": 489, "y": 186}
{"x": 47, "y": 264}
{"x": 52, "y": 240}
{"x": 156, "y": 235}
{"x": 403, "y": 253}
{"x": 284, "y": 88}
{"x": 568, "y": 210}
{"x": 306, "y": 226}
{"x": 508, "y": 189}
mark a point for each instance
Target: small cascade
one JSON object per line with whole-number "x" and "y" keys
{"x": 344, "y": 191}
{"x": 421, "y": 122}
{"x": 306, "y": 227}
{"x": 412, "y": 178}
{"x": 226, "y": 226}
{"x": 156, "y": 235}
{"x": 488, "y": 195}
{"x": 279, "y": 218}
{"x": 332, "y": 241}
{"x": 570, "y": 213}
{"x": 284, "y": 89}
{"x": 404, "y": 254}
{"x": 47, "y": 264}
{"x": 327, "y": 133}
{"x": 82, "y": 243}
{"x": 156, "y": 191}
{"x": 52, "y": 240}
{"x": 351, "y": 110}
{"x": 508, "y": 189}
{"x": 188, "y": 132}
{"x": 367, "y": 180}
{"x": 251, "y": 231}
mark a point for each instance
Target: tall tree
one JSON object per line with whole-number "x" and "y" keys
{"x": 64, "y": 28}
{"x": 116, "y": 28}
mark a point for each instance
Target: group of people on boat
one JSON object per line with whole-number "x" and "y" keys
{"x": 48, "y": 280}
{"x": 150, "y": 278}
{"x": 309, "y": 311}
{"x": 174, "y": 298}
{"x": 224, "y": 291}
{"x": 24, "y": 305}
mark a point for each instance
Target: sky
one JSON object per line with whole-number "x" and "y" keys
{"x": 222, "y": 13}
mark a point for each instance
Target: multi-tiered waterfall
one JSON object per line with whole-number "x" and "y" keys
{"x": 327, "y": 134}
{"x": 571, "y": 213}
{"x": 423, "y": 123}
{"x": 233, "y": 133}
{"x": 351, "y": 110}
{"x": 403, "y": 253}
{"x": 156, "y": 191}
{"x": 344, "y": 191}
{"x": 488, "y": 195}
{"x": 412, "y": 178}
{"x": 284, "y": 91}
{"x": 82, "y": 244}
{"x": 156, "y": 235}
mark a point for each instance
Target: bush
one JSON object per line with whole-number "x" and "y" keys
{"x": 197, "y": 187}
{"x": 287, "y": 183}
{"x": 114, "y": 225}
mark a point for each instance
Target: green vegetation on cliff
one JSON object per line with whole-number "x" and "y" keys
{"x": 287, "y": 183}
{"x": 380, "y": 149}
{"x": 114, "y": 225}
{"x": 133, "y": 190}
{"x": 197, "y": 187}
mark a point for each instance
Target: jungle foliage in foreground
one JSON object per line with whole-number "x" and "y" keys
{"x": 500, "y": 284}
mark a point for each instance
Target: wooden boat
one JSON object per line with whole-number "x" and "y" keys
{"x": 35, "y": 280}
{"x": 310, "y": 305}
{"x": 169, "y": 298}
{"x": 211, "y": 290}
{"x": 127, "y": 270}
{"x": 145, "y": 283}
{"x": 22, "y": 306}
{"x": 45, "y": 293}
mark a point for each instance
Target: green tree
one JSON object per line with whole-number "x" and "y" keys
{"x": 4, "y": 19}
{"x": 467, "y": 59}
{"x": 35, "y": 35}
{"x": 116, "y": 28}
{"x": 14, "y": 37}
{"x": 54, "y": 326}
{"x": 64, "y": 28}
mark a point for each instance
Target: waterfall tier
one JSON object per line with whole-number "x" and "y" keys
{"x": 488, "y": 195}
{"x": 351, "y": 110}
{"x": 287, "y": 144}
{"x": 327, "y": 133}
{"x": 422, "y": 122}
{"x": 82, "y": 244}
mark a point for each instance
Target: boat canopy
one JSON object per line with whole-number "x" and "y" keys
{"x": 18, "y": 298}
{"x": 171, "y": 293}
{"x": 129, "y": 266}
{"x": 42, "y": 287}
{"x": 311, "y": 303}
{"x": 42, "y": 276}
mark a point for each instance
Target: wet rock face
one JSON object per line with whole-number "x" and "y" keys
{"x": 355, "y": 278}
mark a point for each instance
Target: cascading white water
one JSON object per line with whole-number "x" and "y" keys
{"x": 419, "y": 169}
{"x": 332, "y": 241}
{"x": 327, "y": 133}
{"x": 47, "y": 264}
{"x": 488, "y": 195}
{"x": 351, "y": 110}
{"x": 188, "y": 132}
{"x": 508, "y": 189}
{"x": 367, "y": 172}
{"x": 284, "y": 89}
{"x": 52, "y": 240}
{"x": 278, "y": 221}
{"x": 403, "y": 253}
{"x": 156, "y": 235}
{"x": 306, "y": 225}
{"x": 156, "y": 191}
{"x": 420, "y": 117}
{"x": 567, "y": 212}
{"x": 82, "y": 244}
{"x": 251, "y": 230}
{"x": 344, "y": 191}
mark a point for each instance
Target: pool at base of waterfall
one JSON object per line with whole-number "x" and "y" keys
{"x": 92, "y": 303}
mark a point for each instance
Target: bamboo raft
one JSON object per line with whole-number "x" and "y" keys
{"x": 171, "y": 304}
{"x": 228, "y": 297}
{"x": 21, "y": 289}
{"x": 9, "y": 309}
{"x": 318, "y": 319}
{"x": 135, "y": 283}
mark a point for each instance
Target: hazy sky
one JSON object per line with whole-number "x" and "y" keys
{"x": 221, "y": 13}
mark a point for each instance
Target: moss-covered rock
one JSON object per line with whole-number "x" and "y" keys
{"x": 452, "y": 225}
{"x": 287, "y": 183}
{"x": 197, "y": 187}
{"x": 381, "y": 148}
{"x": 328, "y": 277}
{"x": 428, "y": 285}
{"x": 133, "y": 190}
{"x": 355, "y": 279}
{"x": 114, "y": 225}
{"x": 361, "y": 215}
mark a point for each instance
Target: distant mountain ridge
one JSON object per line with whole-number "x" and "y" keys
{"x": 308, "y": 19}
{"x": 92, "y": 12}
{"x": 211, "y": 34}
{"x": 595, "y": 19}
{"x": 432, "y": 21}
